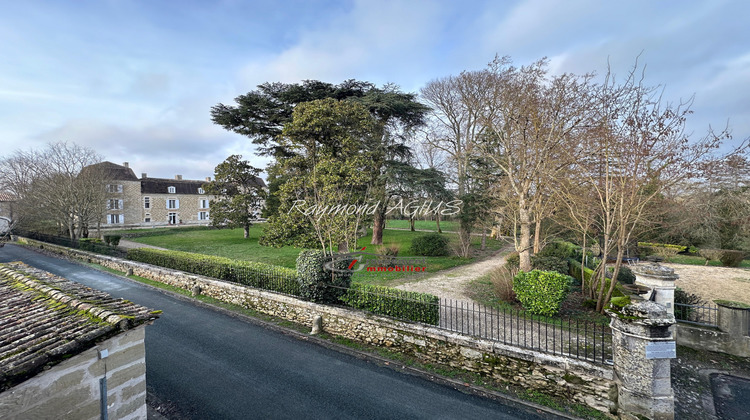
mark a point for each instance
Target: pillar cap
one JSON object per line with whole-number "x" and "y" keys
{"x": 655, "y": 270}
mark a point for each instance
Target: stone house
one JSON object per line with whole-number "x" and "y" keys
{"x": 68, "y": 351}
{"x": 145, "y": 201}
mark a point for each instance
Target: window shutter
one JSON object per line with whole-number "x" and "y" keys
{"x": 122, "y": 218}
{"x": 177, "y": 203}
{"x": 119, "y": 188}
{"x": 120, "y": 204}
{"x": 109, "y": 204}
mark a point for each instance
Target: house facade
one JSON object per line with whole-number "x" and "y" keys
{"x": 145, "y": 201}
{"x": 6, "y": 211}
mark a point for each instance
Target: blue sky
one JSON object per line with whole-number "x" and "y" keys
{"x": 135, "y": 80}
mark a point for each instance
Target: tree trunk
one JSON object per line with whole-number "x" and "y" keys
{"x": 524, "y": 246}
{"x": 484, "y": 239}
{"x": 437, "y": 220}
{"x": 378, "y": 224}
{"x": 538, "y": 236}
{"x": 411, "y": 224}
{"x": 247, "y": 231}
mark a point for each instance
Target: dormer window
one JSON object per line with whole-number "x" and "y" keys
{"x": 171, "y": 190}
{"x": 201, "y": 191}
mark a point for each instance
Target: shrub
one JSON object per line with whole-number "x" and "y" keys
{"x": 430, "y": 245}
{"x": 559, "y": 249}
{"x": 730, "y": 258}
{"x": 541, "y": 292}
{"x": 661, "y": 250}
{"x": 502, "y": 280}
{"x": 318, "y": 284}
{"x": 112, "y": 240}
{"x": 550, "y": 263}
{"x": 624, "y": 276}
{"x": 578, "y": 273}
{"x": 513, "y": 262}
{"x": 686, "y": 313}
{"x": 254, "y": 274}
{"x": 710, "y": 254}
{"x": 381, "y": 300}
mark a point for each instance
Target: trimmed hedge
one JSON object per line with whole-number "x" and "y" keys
{"x": 254, "y": 274}
{"x": 541, "y": 292}
{"x": 679, "y": 248}
{"x": 550, "y": 263}
{"x": 317, "y": 284}
{"x": 575, "y": 272}
{"x": 430, "y": 245}
{"x": 411, "y": 306}
{"x": 731, "y": 258}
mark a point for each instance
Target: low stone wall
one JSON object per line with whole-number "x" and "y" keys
{"x": 71, "y": 389}
{"x": 575, "y": 380}
{"x": 712, "y": 339}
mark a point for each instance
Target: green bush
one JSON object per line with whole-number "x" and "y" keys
{"x": 254, "y": 274}
{"x": 624, "y": 276}
{"x": 577, "y": 273}
{"x": 412, "y": 306}
{"x": 541, "y": 292}
{"x": 550, "y": 263}
{"x": 730, "y": 258}
{"x": 318, "y": 284}
{"x": 513, "y": 261}
{"x": 559, "y": 249}
{"x": 112, "y": 240}
{"x": 430, "y": 245}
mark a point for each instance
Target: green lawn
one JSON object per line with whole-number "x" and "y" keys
{"x": 445, "y": 225}
{"x": 230, "y": 243}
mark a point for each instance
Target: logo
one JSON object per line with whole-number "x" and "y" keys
{"x": 352, "y": 262}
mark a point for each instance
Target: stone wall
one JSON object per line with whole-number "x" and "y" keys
{"x": 71, "y": 389}
{"x": 575, "y": 380}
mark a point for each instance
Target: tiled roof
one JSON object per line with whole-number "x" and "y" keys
{"x": 161, "y": 185}
{"x": 45, "y": 318}
{"x": 114, "y": 171}
{"x": 182, "y": 186}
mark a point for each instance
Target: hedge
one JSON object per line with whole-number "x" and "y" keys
{"x": 541, "y": 292}
{"x": 679, "y": 248}
{"x": 412, "y": 306}
{"x": 318, "y": 284}
{"x": 254, "y": 274}
{"x": 430, "y": 245}
{"x": 575, "y": 271}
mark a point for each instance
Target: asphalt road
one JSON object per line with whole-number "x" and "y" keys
{"x": 214, "y": 366}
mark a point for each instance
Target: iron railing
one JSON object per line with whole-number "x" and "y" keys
{"x": 706, "y": 315}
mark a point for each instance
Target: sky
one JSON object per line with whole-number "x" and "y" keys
{"x": 135, "y": 80}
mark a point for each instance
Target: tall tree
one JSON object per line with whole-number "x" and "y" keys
{"x": 262, "y": 115}
{"x": 325, "y": 198}
{"x": 238, "y": 194}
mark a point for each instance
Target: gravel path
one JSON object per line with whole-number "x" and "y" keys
{"x": 125, "y": 244}
{"x": 451, "y": 283}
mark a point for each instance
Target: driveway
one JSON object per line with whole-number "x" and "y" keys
{"x": 210, "y": 365}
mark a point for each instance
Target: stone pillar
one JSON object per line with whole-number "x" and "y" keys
{"x": 734, "y": 317}
{"x": 661, "y": 281}
{"x": 642, "y": 346}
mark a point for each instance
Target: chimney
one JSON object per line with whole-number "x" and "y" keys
{"x": 144, "y": 175}
{"x": 208, "y": 179}
{"x": 126, "y": 164}
{"x": 178, "y": 177}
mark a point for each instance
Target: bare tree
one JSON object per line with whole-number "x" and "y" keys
{"x": 52, "y": 189}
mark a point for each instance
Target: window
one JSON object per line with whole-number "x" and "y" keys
{"x": 114, "y": 188}
{"x": 146, "y": 202}
{"x": 173, "y": 204}
{"x": 204, "y": 204}
{"x": 203, "y": 215}
{"x": 115, "y": 219}
{"x": 147, "y": 219}
{"x": 114, "y": 204}
{"x": 171, "y": 190}
{"x": 172, "y": 218}
{"x": 201, "y": 191}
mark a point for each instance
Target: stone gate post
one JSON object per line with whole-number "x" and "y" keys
{"x": 661, "y": 281}
{"x": 642, "y": 346}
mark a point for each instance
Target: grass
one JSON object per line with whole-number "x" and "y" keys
{"x": 431, "y": 225}
{"x": 231, "y": 244}
{"x": 696, "y": 260}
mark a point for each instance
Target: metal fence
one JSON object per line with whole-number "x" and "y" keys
{"x": 84, "y": 244}
{"x": 697, "y": 314}
{"x": 580, "y": 339}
